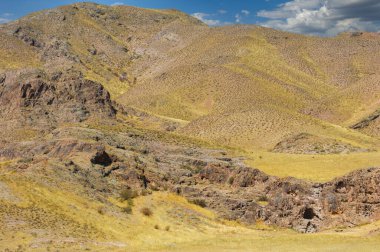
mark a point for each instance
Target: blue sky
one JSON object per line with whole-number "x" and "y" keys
{"x": 225, "y": 11}
{"x": 316, "y": 17}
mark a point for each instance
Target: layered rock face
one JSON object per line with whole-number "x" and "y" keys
{"x": 32, "y": 97}
{"x": 249, "y": 195}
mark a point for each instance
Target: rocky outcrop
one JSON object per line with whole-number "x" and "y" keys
{"x": 207, "y": 178}
{"x": 36, "y": 97}
{"x": 366, "y": 122}
{"x": 309, "y": 144}
{"x": 248, "y": 194}
{"x": 101, "y": 157}
{"x": 370, "y": 125}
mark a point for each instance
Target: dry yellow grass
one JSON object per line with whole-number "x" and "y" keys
{"x": 16, "y": 54}
{"x": 245, "y": 88}
{"x": 262, "y": 88}
{"x": 191, "y": 228}
{"x": 317, "y": 168}
{"x": 250, "y": 87}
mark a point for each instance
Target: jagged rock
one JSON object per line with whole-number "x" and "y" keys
{"x": 114, "y": 167}
{"x": 101, "y": 157}
{"x": 2, "y": 78}
{"x": 53, "y": 98}
{"x": 308, "y": 144}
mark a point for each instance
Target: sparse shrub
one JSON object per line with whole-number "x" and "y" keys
{"x": 146, "y": 211}
{"x": 199, "y": 202}
{"x": 145, "y": 192}
{"x": 167, "y": 228}
{"x": 101, "y": 210}
{"x": 127, "y": 209}
{"x": 156, "y": 227}
{"x": 154, "y": 187}
{"x": 263, "y": 198}
{"x": 128, "y": 194}
{"x": 130, "y": 202}
{"x": 26, "y": 160}
{"x": 231, "y": 180}
{"x": 145, "y": 151}
{"x": 356, "y": 34}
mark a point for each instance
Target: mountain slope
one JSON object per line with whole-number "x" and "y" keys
{"x": 252, "y": 87}
{"x": 244, "y": 86}
{"x": 125, "y": 128}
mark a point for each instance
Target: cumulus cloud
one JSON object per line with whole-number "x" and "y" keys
{"x": 117, "y": 4}
{"x": 4, "y": 20}
{"x": 246, "y": 12}
{"x": 324, "y": 17}
{"x": 239, "y": 16}
{"x": 207, "y": 19}
{"x": 5, "y": 17}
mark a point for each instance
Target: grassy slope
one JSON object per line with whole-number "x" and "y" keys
{"x": 15, "y": 54}
{"x": 246, "y": 95}
{"x": 319, "y": 168}
{"x": 38, "y": 209}
{"x": 238, "y": 86}
{"x": 243, "y": 87}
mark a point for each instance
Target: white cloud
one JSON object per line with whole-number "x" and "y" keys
{"x": 5, "y": 17}
{"x": 7, "y": 14}
{"x": 324, "y": 17}
{"x": 4, "y": 20}
{"x": 205, "y": 18}
{"x": 238, "y": 18}
{"x": 222, "y": 12}
{"x": 246, "y": 12}
{"x": 117, "y": 4}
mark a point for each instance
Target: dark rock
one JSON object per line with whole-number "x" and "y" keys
{"x": 92, "y": 51}
{"x": 113, "y": 167}
{"x": 2, "y": 78}
{"x": 55, "y": 98}
{"x": 366, "y": 122}
{"x": 101, "y": 157}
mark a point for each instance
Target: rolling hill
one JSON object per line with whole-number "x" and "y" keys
{"x": 129, "y": 128}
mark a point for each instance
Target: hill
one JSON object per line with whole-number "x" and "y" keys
{"x": 129, "y": 128}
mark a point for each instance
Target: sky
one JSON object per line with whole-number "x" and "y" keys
{"x": 315, "y": 17}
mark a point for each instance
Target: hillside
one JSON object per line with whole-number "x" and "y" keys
{"x": 138, "y": 129}
{"x": 252, "y": 87}
{"x": 244, "y": 87}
